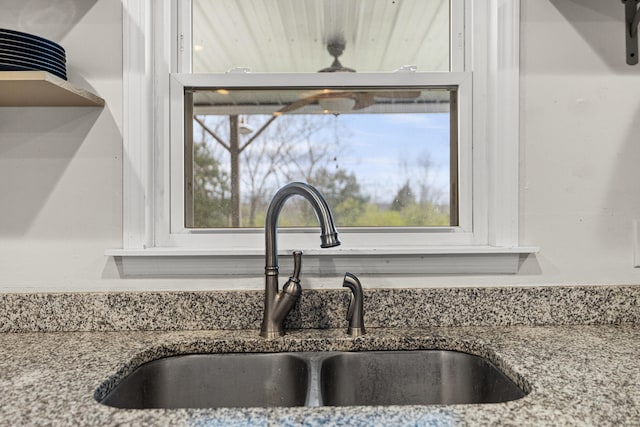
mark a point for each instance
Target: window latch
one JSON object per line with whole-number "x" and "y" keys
{"x": 239, "y": 70}
{"x": 407, "y": 69}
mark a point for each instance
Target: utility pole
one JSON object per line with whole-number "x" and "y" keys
{"x": 234, "y": 152}
{"x": 235, "y": 149}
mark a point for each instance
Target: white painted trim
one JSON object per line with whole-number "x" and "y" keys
{"x": 399, "y": 251}
{"x": 320, "y": 80}
{"x": 470, "y": 260}
{"x": 185, "y": 44}
{"x": 165, "y": 60}
{"x": 151, "y": 55}
{"x": 496, "y": 122}
{"x": 179, "y": 236}
{"x": 457, "y": 41}
{"x": 176, "y": 143}
{"x": 254, "y": 266}
{"x": 505, "y": 136}
{"x": 466, "y": 204}
{"x": 137, "y": 124}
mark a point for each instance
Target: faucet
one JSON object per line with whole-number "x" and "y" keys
{"x": 277, "y": 304}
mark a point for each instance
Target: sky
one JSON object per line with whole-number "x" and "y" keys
{"x": 384, "y": 150}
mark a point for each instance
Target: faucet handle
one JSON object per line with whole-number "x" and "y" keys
{"x": 297, "y": 264}
{"x": 292, "y": 286}
{"x": 355, "y": 314}
{"x": 291, "y": 290}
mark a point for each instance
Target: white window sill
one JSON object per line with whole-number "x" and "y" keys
{"x": 322, "y": 262}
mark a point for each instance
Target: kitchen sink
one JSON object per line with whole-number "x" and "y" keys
{"x": 421, "y": 377}
{"x": 214, "y": 381}
{"x": 413, "y": 378}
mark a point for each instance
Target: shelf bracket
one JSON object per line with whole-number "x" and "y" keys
{"x": 631, "y": 21}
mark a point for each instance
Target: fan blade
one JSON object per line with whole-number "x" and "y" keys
{"x": 295, "y": 105}
{"x": 326, "y": 93}
{"x": 364, "y": 100}
{"x": 331, "y": 93}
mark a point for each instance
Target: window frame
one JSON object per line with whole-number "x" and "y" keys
{"x": 486, "y": 241}
{"x": 174, "y": 234}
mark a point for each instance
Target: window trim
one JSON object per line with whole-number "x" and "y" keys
{"x": 174, "y": 234}
{"x": 151, "y": 56}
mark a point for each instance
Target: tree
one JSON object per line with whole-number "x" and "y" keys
{"x": 291, "y": 147}
{"x": 211, "y": 191}
{"x": 343, "y": 193}
{"x": 404, "y": 197}
{"x": 285, "y": 152}
{"x": 428, "y": 192}
{"x": 235, "y": 147}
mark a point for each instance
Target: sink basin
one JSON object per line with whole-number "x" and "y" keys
{"x": 214, "y": 381}
{"x": 413, "y": 378}
{"x": 312, "y": 379}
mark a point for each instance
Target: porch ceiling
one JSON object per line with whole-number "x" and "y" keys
{"x": 291, "y": 35}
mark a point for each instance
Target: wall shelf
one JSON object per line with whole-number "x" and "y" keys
{"x": 42, "y": 89}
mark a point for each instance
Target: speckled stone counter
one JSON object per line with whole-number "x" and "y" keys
{"x": 321, "y": 309}
{"x": 575, "y": 350}
{"x": 577, "y": 375}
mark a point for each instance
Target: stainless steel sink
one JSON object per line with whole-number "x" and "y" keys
{"x": 413, "y": 378}
{"x": 214, "y": 381}
{"x": 313, "y": 379}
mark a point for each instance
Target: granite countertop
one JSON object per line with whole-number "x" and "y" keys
{"x": 576, "y": 349}
{"x": 577, "y": 375}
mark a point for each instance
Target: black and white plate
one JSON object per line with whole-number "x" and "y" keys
{"x": 32, "y": 60}
{"x": 31, "y": 39}
{"x": 27, "y": 52}
{"x": 7, "y": 65}
{"x": 26, "y": 48}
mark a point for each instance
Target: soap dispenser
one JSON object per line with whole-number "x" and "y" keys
{"x": 355, "y": 314}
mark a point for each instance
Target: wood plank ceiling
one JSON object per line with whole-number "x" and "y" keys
{"x": 292, "y": 35}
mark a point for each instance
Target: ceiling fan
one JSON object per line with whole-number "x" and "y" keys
{"x": 335, "y": 47}
{"x": 338, "y": 101}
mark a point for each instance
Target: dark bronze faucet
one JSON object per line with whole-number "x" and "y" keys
{"x": 277, "y": 304}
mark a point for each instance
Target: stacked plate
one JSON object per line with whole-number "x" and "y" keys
{"x": 25, "y": 52}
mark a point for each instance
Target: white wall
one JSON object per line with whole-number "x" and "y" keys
{"x": 60, "y": 168}
{"x": 580, "y": 141}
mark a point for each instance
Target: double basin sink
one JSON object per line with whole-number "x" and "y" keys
{"x": 421, "y": 377}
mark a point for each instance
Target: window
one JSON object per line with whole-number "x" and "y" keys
{"x": 183, "y": 187}
{"x": 383, "y": 156}
{"x": 390, "y": 161}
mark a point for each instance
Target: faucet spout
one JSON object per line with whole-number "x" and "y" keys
{"x": 277, "y": 304}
